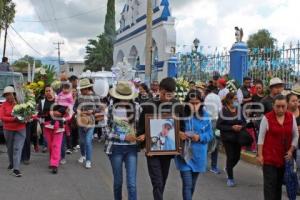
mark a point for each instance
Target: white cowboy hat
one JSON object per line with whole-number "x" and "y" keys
{"x": 275, "y": 81}
{"x": 123, "y": 91}
{"x": 84, "y": 83}
{"x": 8, "y": 89}
{"x": 296, "y": 89}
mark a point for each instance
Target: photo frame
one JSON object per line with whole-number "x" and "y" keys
{"x": 162, "y": 135}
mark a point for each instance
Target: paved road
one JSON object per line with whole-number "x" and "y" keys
{"x": 73, "y": 182}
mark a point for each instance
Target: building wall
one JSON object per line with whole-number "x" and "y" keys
{"x": 73, "y": 68}
{"x": 131, "y": 40}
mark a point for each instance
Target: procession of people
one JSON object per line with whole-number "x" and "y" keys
{"x": 211, "y": 116}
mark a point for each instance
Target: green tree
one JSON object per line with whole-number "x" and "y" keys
{"x": 21, "y": 65}
{"x": 261, "y": 39}
{"x": 100, "y": 50}
{"x": 97, "y": 54}
{"x": 8, "y": 15}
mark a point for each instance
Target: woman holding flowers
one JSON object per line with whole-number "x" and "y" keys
{"x": 14, "y": 130}
{"x": 121, "y": 145}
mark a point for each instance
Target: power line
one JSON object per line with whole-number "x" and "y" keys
{"x": 53, "y": 13}
{"x": 20, "y": 36}
{"x": 60, "y": 18}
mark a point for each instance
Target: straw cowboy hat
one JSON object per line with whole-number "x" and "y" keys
{"x": 123, "y": 91}
{"x": 275, "y": 81}
{"x": 8, "y": 89}
{"x": 296, "y": 89}
{"x": 85, "y": 83}
{"x": 201, "y": 85}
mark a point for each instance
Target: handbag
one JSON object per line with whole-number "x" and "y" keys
{"x": 244, "y": 138}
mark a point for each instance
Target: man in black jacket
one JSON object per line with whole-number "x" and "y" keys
{"x": 158, "y": 166}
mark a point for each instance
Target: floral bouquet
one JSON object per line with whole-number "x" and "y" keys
{"x": 27, "y": 109}
{"x": 56, "y": 85}
{"x": 231, "y": 86}
{"x": 182, "y": 88}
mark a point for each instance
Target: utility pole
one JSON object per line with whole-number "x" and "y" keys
{"x": 58, "y": 51}
{"x": 148, "y": 63}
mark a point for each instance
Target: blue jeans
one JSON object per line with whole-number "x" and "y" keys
{"x": 86, "y": 142}
{"x": 128, "y": 155}
{"x": 189, "y": 180}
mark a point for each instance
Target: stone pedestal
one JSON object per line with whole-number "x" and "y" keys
{"x": 238, "y": 61}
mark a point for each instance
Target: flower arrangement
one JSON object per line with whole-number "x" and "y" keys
{"x": 231, "y": 86}
{"x": 27, "y": 109}
{"x": 56, "y": 85}
{"x": 182, "y": 88}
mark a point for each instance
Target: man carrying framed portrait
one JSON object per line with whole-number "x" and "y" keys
{"x": 159, "y": 162}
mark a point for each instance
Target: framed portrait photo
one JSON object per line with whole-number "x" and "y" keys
{"x": 162, "y": 135}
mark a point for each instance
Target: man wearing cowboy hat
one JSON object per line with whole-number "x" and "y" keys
{"x": 276, "y": 87}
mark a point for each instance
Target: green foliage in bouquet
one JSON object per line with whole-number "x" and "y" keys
{"x": 182, "y": 88}
{"x": 46, "y": 74}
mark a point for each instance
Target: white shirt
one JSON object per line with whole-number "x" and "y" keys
{"x": 240, "y": 96}
{"x": 213, "y": 105}
{"x": 222, "y": 93}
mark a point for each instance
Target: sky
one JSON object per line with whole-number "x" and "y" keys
{"x": 211, "y": 21}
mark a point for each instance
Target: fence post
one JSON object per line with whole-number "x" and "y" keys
{"x": 238, "y": 66}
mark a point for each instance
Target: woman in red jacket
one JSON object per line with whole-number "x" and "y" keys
{"x": 14, "y": 131}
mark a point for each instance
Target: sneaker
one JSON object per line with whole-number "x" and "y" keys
{"x": 63, "y": 161}
{"x": 88, "y": 165}
{"x": 75, "y": 149}
{"x": 10, "y": 167}
{"x": 54, "y": 170}
{"x": 17, "y": 173}
{"x": 49, "y": 126}
{"x": 215, "y": 171}
{"x": 78, "y": 147}
{"x": 231, "y": 183}
{"x": 60, "y": 130}
{"x": 81, "y": 159}
{"x": 69, "y": 151}
{"x": 45, "y": 149}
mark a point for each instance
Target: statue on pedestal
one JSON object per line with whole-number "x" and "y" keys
{"x": 239, "y": 33}
{"x": 124, "y": 71}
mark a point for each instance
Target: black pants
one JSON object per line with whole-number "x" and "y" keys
{"x": 74, "y": 136}
{"x": 31, "y": 137}
{"x": 233, "y": 154}
{"x": 273, "y": 179}
{"x": 158, "y": 168}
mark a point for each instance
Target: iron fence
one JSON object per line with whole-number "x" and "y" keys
{"x": 263, "y": 63}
